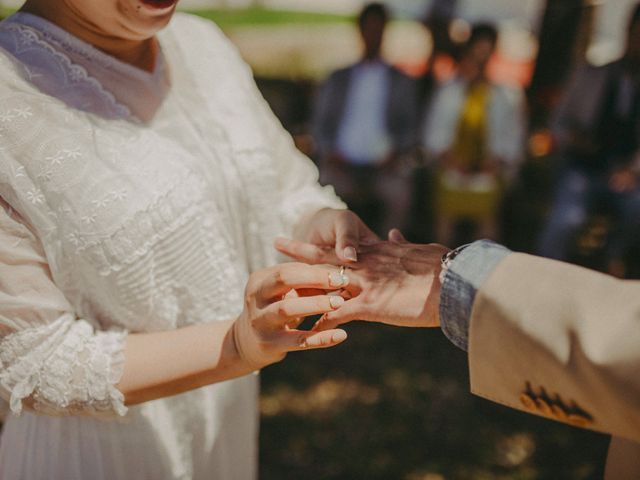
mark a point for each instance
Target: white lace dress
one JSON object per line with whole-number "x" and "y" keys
{"x": 112, "y": 225}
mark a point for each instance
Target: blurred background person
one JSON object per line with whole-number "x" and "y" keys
{"x": 474, "y": 130}
{"x": 365, "y": 121}
{"x": 440, "y": 59}
{"x": 596, "y": 129}
{"x": 437, "y": 22}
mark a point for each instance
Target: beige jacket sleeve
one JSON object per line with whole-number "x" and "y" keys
{"x": 559, "y": 341}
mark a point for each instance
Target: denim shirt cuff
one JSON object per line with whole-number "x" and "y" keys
{"x": 465, "y": 275}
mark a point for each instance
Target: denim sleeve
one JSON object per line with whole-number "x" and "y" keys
{"x": 465, "y": 275}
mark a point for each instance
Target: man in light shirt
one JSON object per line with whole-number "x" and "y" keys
{"x": 365, "y": 121}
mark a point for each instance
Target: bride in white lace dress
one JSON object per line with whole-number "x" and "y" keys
{"x": 142, "y": 180}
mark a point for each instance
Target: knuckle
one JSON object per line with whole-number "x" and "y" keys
{"x": 283, "y": 275}
{"x": 252, "y": 284}
{"x": 255, "y": 324}
{"x": 277, "y": 275}
{"x": 344, "y": 214}
{"x": 315, "y": 254}
{"x": 284, "y": 310}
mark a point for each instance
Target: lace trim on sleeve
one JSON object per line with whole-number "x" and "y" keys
{"x": 63, "y": 368}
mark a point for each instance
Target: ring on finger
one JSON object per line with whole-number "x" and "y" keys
{"x": 339, "y": 279}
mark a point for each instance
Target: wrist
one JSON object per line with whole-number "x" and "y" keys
{"x": 433, "y": 300}
{"x": 247, "y": 347}
{"x": 447, "y": 259}
{"x": 241, "y": 350}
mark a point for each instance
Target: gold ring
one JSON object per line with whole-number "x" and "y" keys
{"x": 345, "y": 279}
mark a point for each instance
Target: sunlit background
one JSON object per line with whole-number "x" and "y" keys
{"x": 309, "y": 38}
{"x": 391, "y": 403}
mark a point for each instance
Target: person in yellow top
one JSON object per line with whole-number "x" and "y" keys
{"x": 474, "y": 129}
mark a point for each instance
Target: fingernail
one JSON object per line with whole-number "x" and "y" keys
{"x": 339, "y": 336}
{"x": 351, "y": 254}
{"x": 338, "y": 280}
{"x": 336, "y": 301}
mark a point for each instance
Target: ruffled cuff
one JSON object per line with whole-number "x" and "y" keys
{"x": 64, "y": 368}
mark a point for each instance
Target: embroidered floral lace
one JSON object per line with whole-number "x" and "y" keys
{"x": 111, "y": 225}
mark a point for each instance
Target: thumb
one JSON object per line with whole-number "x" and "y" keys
{"x": 396, "y": 237}
{"x": 347, "y": 239}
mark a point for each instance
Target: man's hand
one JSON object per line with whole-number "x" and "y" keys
{"x": 393, "y": 282}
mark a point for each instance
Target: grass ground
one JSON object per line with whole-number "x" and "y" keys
{"x": 394, "y": 404}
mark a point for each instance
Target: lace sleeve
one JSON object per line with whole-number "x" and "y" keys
{"x": 251, "y": 124}
{"x": 300, "y": 192}
{"x": 50, "y": 361}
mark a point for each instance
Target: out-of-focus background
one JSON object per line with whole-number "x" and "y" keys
{"x": 393, "y": 403}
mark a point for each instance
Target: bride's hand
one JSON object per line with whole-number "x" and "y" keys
{"x": 329, "y": 237}
{"x": 276, "y": 301}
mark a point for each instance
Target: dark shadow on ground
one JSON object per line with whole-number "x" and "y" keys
{"x": 395, "y": 404}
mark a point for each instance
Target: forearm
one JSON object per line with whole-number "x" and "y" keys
{"x": 162, "y": 364}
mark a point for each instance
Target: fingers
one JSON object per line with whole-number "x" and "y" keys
{"x": 348, "y": 312}
{"x": 296, "y": 340}
{"x": 281, "y": 279}
{"x": 396, "y": 236}
{"x": 352, "y": 233}
{"x": 293, "y": 308}
{"x": 306, "y": 252}
{"x": 347, "y": 239}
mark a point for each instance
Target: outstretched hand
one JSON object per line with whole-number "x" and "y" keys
{"x": 393, "y": 282}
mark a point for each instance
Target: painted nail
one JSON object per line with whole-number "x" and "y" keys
{"x": 338, "y": 280}
{"x": 281, "y": 242}
{"x": 336, "y": 301}
{"x": 339, "y": 336}
{"x": 350, "y": 254}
